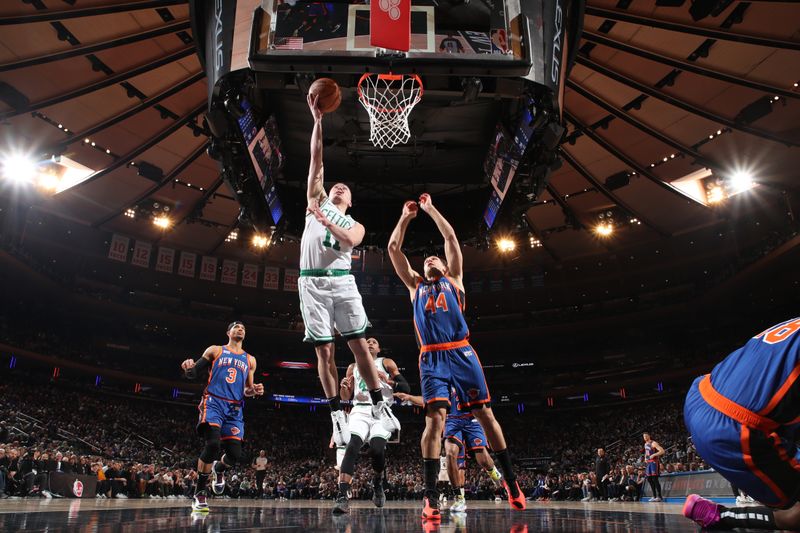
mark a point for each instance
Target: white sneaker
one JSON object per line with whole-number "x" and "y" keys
{"x": 121, "y": 496}
{"x": 740, "y": 500}
{"x": 383, "y": 413}
{"x": 217, "y": 480}
{"x": 46, "y": 494}
{"x": 586, "y": 499}
{"x": 341, "y": 435}
{"x": 199, "y": 504}
{"x": 749, "y": 499}
{"x": 459, "y": 505}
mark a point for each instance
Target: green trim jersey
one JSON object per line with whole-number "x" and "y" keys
{"x": 318, "y": 248}
{"x": 361, "y": 390}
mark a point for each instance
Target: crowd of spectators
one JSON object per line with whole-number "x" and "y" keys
{"x": 139, "y": 447}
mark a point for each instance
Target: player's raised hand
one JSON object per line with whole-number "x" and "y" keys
{"x": 347, "y": 383}
{"x": 312, "y": 105}
{"x": 410, "y": 209}
{"x": 425, "y": 202}
{"x": 187, "y": 365}
{"x": 313, "y": 208}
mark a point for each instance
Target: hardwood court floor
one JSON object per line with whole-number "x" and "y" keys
{"x": 151, "y": 516}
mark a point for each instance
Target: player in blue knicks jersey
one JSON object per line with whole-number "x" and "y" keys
{"x": 743, "y": 418}
{"x": 221, "y": 423}
{"x": 446, "y": 358}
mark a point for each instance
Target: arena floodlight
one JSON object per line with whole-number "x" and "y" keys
{"x": 19, "y": 169}
{"x": 506, "y": 245}
{"x": 741, "y": 180}
{"x": 604, "y": 229}
{"x": 260, "y": 241}
{"x": 162, "y": 221}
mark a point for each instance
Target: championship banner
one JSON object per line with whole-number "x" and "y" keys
{"x": 187, "y": 264}
{"x": 250, "y": 275}
{"x": 271, "y": 275}
{"x": 165, "y": 260}
{"x": 118, "y": 251}
{"x": 230, "y": 271}
{"x": 208, "y": 268}
{"x": 290, "y": 276}
{"x": 141, "y": 254}
{"x": 390, "y": 24}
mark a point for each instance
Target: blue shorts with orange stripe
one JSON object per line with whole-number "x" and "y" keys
{"x": 456, "y": 367}
{"x": 226, "y": 415}
{"x": 763, "y": 465}
{"x": 467, "y": 433}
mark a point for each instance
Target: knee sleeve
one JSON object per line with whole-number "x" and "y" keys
{"x": 378, "y": 448}
{"x": 351, "y": 454}
{"x": 233, "y": 452}
{"x": 211, "y": 450}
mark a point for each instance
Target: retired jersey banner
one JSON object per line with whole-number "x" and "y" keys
{"x": 208, "y": 268}
{"x": 271, "y": 275}
{"x": 118, "y": 251}
{"x": 187, "y": 264}
{"x": 230, "y": 271}
{"x": 390, "y": 24}
{"x": 290, "y": 276}
{"x": 250, "y": 275}
{"x": 141, "y": 254}
{"x": 166, "y": 258}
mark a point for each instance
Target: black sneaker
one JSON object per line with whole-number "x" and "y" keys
{"x": 342, "y": 505}
{"x": 378, "y": 495}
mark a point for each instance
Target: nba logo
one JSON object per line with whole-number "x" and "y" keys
{"x": 77, "y": 488}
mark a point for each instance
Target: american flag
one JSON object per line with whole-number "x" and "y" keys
{"x": 289, "y": 43}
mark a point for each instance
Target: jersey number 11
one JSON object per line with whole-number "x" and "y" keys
{"x": 327, "y": 242}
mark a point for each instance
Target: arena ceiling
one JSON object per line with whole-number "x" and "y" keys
{"x": 653, "y": 97}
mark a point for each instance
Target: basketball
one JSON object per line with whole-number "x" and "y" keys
{"x": 328, "y": 94}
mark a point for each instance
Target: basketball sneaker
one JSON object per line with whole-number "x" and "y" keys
{"x": 341, "y": 436}
{"x": 378, "y": 494}
{"x": 342, "y": 505}
{"x": 704, "y": 512}
{"x": 430, "y": 509}
{"x": 459, "y": 505}
{"x": 517, "y": 502}
{"x": 497, "y": 477}
{"x": 383, "y": 413}
{"x": 217, "y": 480}
{"x": 199, "y": 505}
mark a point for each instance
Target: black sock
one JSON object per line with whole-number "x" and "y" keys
{"x": 376, "y": 396}
{"x": 202, "y": 481}
{"x": 377, "y": 479}
{"x": 747, "y": 517}
{"x": 220, "y": 467}
{"x": 335, "y": 404}
{"x": 430, "y": 468}
{"x": 504, "y": 459}
{"x": 344, "y": 488}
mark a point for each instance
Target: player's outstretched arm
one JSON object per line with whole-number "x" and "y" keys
{"x": 452, "y": 249}
{"x": 250, "y": 388}
{"x": 399, "y": 259}
{"x": 192, "y": 368}
{"x": 415, "y": 400}
{"x": 346, "y": 385}
{"x": 316, "y": 191}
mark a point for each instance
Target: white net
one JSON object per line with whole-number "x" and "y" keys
{"x": 389, "y": 99}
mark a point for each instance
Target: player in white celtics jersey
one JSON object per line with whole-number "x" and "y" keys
{"x": 329, "y": 298}
{"x": 365, "y": 427}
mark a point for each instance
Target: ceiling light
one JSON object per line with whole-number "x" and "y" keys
{"x": 232, "y": 236}
{"x": 162, "y": 222}
{"x": 130, "y": 213}
{"x": 604, "y": 229}
{"x": 19, "y": 169}
{"x": 506, "y": 245}
{"x": 48, "y": 182}
{"x": 715, "y": 195}
{"x": 260, "y": 241}
{"x": 741, "y": 180}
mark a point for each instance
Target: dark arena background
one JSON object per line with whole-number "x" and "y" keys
{"x": 622, "y": 179}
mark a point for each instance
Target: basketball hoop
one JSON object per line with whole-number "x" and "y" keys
{"x": 389, "y": 99}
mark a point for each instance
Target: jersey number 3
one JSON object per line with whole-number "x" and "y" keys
{"x": 327, "y": 242}
{"x": 231, "y": 375}
{"x": 441, "y": 303}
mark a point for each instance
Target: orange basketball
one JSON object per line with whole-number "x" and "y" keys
{"x": 328, "y": 94}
